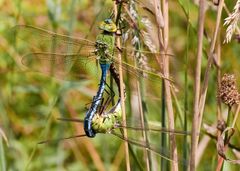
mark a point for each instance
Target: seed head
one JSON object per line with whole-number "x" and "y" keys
{"x": 232, "y": 22}
{"x": 228, "y": 92}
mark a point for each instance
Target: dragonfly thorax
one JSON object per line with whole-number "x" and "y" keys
{"x": 104, "y": 48}
{"x": 106, "y": 122}
{"x": 101, "y": 48}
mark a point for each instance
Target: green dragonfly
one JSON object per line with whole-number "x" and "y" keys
{"x": 109, "y": 121}
{"x": 58, "y": 55}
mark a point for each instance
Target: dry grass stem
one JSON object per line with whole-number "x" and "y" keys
{"x": 218, "y": 55}
{"x": 236, "y": 116}
{"x": 209, "y": 63}
{"x": 165, "y": 60}
{"x": 205, "y": 85}
{"x": 128, "y": 168}
{"x": 196, "y": 123}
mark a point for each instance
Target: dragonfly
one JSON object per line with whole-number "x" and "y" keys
{"x": 63, "y": 54}
{"x": 110, "y": 121}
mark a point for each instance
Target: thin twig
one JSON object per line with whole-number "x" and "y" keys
{"x": 209, "y": 64}
{"x": 219, "y": 110}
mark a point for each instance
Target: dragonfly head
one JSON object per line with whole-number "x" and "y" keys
{"x": 108, "y": 25}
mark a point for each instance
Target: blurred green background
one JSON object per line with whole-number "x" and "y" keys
{"x": 31, "y": 102}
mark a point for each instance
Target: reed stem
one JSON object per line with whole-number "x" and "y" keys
{"x": 117, "y": 11}
{"x": 197, "y": 83}
{"x": 165, "y": 61}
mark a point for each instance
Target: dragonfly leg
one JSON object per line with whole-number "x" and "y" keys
{"x": 110, "y": 97}
{"x": 93, "y": 101}
{"x": 112, "y": 93}
{"x": 104, "y": 103}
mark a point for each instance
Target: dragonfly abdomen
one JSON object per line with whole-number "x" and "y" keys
{"x": 96, "y": 101}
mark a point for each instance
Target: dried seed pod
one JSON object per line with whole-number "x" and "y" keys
{"x": 228, "y": 92}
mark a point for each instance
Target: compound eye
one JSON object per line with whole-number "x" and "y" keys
{"x": 108, "y": 21}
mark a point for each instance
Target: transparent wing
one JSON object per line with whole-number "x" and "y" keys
{"x": 58, "y": 51}
{"x": 47, "y": 41}
{"x": 62, "y": 66}
{"x": 54, "y": 54}
{"x": 163, "y": 153}
{"x": 148, "y": 73}
{"x": 141, "y": 63}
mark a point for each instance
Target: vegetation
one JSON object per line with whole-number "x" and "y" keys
{"x": 198, "y": 94}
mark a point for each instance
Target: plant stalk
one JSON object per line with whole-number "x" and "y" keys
{"x": 117, "y": 10}
{"x": 196, "y": 123}
{"x": 165, "y": 61}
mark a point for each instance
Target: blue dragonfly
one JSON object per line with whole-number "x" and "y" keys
{"x": 63, "y": 54}
{"x": 109, "y": 121}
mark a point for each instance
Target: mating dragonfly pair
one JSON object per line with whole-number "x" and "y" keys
{"x": 71, "y": 53}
